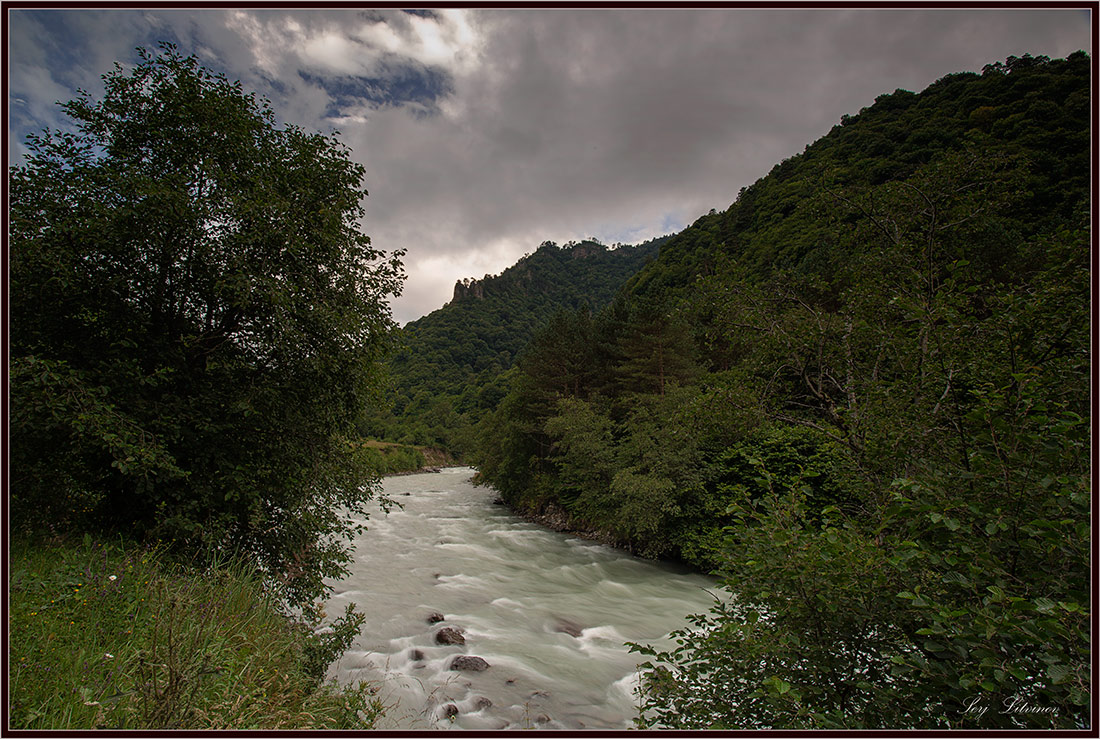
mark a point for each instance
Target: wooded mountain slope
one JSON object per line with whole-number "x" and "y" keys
{"x": 448, "y": 372}
{"x": 1031, "y": 108}
{"x": 861, "y": 395}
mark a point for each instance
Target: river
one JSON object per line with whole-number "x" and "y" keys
{"x": 515, "y": 590}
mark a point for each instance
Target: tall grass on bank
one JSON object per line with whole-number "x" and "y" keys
{"x": 390, "y": 458}
{"x": 115, "y": 636}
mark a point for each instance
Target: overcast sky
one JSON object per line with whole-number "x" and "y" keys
{"x": 486, "y": 132}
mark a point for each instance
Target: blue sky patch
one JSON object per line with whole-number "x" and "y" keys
{"x": 400, "y": 85}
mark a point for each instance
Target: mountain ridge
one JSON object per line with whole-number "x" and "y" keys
{"x": 450, "y": 368}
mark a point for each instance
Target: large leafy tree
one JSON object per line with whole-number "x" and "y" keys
{"x": 196, "y": 323}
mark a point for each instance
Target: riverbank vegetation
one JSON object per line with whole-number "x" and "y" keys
{"x": 860, "y": 394}
{"x": 388, "y": 458}
{"x": 115, "y": 635}
{"x": 197, "y": 326}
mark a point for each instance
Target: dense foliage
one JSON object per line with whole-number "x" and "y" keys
{"x": 449, "y": 370}
{"x": 860, "y": 395}
{"x": 196, "y": 325}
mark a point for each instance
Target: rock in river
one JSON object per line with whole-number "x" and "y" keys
{"x": 449, "y": 635}
{"x": 474, "y": 664}
{"x": 435, "y": 617}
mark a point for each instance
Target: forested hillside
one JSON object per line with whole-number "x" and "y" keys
{"x": 449, "y": 371}
{"x": 861, "y": 395}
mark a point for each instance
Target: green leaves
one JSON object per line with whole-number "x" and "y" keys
{"x": 196, "y": 321}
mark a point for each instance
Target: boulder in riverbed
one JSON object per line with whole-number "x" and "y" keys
{"x": 435, "y": 617}
{"x": 449, "y": 635}
{"x": 416, "y": 655}
{"x": 472, "y": 664}
{"x": 450, "y": 711}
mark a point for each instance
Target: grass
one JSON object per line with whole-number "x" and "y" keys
{"x": 390, "y": 457}
{"x": 110, "y": 635}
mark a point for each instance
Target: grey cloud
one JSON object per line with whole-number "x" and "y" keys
{"x": 558, "y": 124}
{"x": 588, "y": 116}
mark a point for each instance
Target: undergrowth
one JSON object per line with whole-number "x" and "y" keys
{"x": 114, "y": 636}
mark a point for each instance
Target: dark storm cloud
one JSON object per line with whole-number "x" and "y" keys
{"x": 486, "y": 132}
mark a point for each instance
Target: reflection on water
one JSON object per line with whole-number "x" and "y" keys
{"x": 548, "y": 612}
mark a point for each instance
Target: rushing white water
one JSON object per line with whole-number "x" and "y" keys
{"x": 510, "y": 586}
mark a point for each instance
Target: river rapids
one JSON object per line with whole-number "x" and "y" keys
{"x": 547, "y": 611}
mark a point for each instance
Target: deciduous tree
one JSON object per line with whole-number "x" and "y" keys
{"x": 196, "y": 322}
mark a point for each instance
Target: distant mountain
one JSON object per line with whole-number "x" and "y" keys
{"x": 448, "y": 372}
